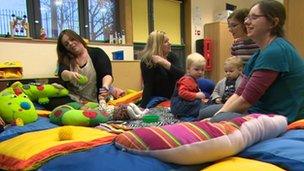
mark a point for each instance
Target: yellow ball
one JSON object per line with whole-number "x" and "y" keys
{"x": 19, "y": 122}
{"x": 65, "y": 133}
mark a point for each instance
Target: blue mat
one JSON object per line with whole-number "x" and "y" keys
{"x": 108, "y": 157}
{"x": 41, "y": 124}
{"x": 286, "y": 151}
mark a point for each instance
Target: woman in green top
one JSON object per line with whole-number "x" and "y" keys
{"x": 274, "y": 77}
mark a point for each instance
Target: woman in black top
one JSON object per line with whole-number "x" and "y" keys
{"x": 76, "y": 61}
{"x": 160, "y": 70}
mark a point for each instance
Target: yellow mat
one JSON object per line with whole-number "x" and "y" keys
{"x": 29, "y": 150}
{"x": 241, "y": 164}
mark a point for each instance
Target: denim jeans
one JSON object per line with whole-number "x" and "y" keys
{"x": 155, "y": 100}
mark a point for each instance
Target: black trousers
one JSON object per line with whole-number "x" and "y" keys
{"x": 57, "y": 101}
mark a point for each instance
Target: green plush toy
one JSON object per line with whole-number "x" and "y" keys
{"x": 68, "y": 115}
{"x": 41, "y": 92}
{"x": 16, "y": 107}
{"x": 82, "y": 80}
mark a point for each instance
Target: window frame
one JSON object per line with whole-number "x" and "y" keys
{"x": 35, "y": 19}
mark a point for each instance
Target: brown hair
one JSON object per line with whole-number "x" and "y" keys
{"x": 273, "y": 9}
{"x": 64, "y": 56}
{"x": 240, "y": 15}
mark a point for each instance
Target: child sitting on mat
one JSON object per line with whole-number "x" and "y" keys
{"x": 187, "y": 98}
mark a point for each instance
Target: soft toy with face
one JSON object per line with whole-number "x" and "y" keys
{"x": 42, "y": 92}
{"x": 15, "y": 105}
{"x": 67, "y": 115}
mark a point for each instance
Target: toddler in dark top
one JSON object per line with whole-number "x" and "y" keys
{"x": 225, "y": 88}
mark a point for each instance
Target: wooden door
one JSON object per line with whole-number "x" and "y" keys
{"x": 295, "y": 23}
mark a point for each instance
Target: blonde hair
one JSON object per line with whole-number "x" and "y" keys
{"x": 195, "y": 59}
{"x": 234, "y": 61}
{"x": 154, "y": 46}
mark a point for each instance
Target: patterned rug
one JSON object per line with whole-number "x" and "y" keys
{"x": 165, "y": 118}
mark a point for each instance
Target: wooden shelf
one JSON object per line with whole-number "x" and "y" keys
{"x": 30, "y": 77}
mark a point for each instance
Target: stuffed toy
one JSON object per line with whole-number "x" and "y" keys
{"x": 41, "y": 92}
{"x": 123, "y": 111}
{"x": 82, "y": 79}
{"x": 16, "y": 107}
{"x": 67, "y": 115}
{"x": 92, "y": 114}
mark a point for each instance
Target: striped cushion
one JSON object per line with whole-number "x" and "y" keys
{"x": 202, "y": 141}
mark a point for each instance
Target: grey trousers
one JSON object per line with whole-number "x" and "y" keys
{"x": 208, "y": 112}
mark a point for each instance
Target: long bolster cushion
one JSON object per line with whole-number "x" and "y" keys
{"x": 201, "y": 141}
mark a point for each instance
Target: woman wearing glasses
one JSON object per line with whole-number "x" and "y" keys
{"x": 274, "y": 76}
{"x": 243, "y": 47}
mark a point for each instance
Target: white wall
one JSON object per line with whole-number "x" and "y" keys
{"x": 40, "y": 58}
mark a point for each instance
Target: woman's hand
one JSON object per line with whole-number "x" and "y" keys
{"x": 156, "y": 59}
{"x": 74, "y": 76}
{"x": 70, "y": 75}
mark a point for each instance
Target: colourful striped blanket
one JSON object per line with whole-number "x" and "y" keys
{"x": 202, "y": 141}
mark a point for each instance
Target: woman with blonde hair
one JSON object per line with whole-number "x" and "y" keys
{"x": 160, "y": 69}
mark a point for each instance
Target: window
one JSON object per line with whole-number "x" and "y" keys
{"x": 13, "y": 13}
{"x": 92, "y": 19}
{"x": 57, "y": 15}
{"x": 102, "y": 19}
